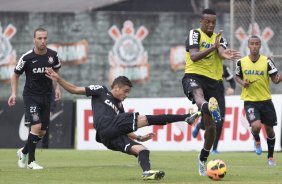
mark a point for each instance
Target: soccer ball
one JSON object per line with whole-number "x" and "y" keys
{"x": 216, "y": 169}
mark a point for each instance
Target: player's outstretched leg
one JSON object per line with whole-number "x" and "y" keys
{"x": 214, "y": 110}
{"x": 153, "y": 175}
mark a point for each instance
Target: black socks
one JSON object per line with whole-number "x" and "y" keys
{"x": 143, "y": 160}
{"x": 165, "y": 119}
{"x": 32, "y": 141}
{"x": 270, "y": 144}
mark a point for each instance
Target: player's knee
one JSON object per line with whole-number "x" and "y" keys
{"x": 256, "y": 126}
{"x": 269, "y": 131}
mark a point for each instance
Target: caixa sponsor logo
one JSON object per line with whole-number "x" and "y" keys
{"x": 39, "y": 70}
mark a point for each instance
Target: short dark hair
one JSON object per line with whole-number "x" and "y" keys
{"x": 121, "y": 81}
{"x": 38, "y": 29}
{"x": 208, "y": 11}
{"x": 254, "y": 36}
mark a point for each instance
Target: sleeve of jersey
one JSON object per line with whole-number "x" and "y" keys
{"x": 94, "y": 90}
{"x": 271, "y": 68}
{"x": 227, "y": 73}
{"x": 19, "y": 69}
{"x": 57, "y": 63}
{"x": 238, "y": 70}
{"x": 223, "y": 42}
{"x": 192, "y": 40}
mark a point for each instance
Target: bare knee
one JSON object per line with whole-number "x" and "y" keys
{"x": 136, "y": 149}
{"x": 256, "y": 126}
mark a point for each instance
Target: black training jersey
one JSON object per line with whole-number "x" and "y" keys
{"x": 104, "y": 105}
{"x": 34, "y": 67}
{"x": 227, "y": 75}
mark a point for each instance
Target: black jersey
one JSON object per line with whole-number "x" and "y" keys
{"x": 104, "y": 105}
{"x": 34, "y": 67}
{"x": 227, "y": 74}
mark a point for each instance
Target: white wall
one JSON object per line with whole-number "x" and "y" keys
{"x": 177, "y": 136}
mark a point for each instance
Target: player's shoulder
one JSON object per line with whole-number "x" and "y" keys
{"x": 28, "y": 55}
{"x": 95, "y": 87}
{"x": 51, "y": 52}
{"x": 196, "y": 32}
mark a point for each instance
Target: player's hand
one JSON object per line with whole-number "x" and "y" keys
{"x": 245, "y": 83}
{"x": 51, "y": 74}
{"x": 147, "y": 137}
{"x": 12, "y": 100}
{"x": 217, "y": 39}
{"x": 231, "y": 54}
{"x": 58, "y": 95}
{"x": 229, "y": 91}
{"x": 277, "y": 79}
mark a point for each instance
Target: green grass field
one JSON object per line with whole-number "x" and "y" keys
{"x": 84, "y": 167}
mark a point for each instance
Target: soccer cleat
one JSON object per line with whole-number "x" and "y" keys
{"x": 153, "y": 175}
{"x": 202, "y": 167}
{"x": 271, "y": 162}
{"x": 258, "y": 149}
{"x": 214, "y": 110}
{"x": 195, "y": 131}
{"x": 22, "y": 158}
{"x": 34, "y": 166}
{"x": 215, "y": 152}
{"x": 191, "y": 119}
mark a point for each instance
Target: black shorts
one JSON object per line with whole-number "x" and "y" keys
{"x": 211, "y": 88}
{"x": 37, "y": 110}
{"x": 121, "y": 124}
{"x": 122, "y": 143}
{"x": 263, "y": 110}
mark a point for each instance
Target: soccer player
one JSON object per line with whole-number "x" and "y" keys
{"x": 205, "y": 52}
{"x": 114, "y": 126}
{"x": 36, "y": 94}
{"x": 228, "y": 76}
{"x": 252, "y": 73}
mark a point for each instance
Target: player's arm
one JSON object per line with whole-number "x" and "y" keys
{"x": 230, "y": 79}
{"x": 14, "y": 85}
{"x": 273, "y": 72}
{"x": 226, "y": 53}
{"x": 58, "y": 94}
{"x": 50, "y": 73}
{"x": 239, "y": 75}
{"x": 192, "y": 46}
{"x": 141, "y": 138}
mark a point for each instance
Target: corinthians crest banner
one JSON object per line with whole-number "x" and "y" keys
{"x": 7, "y": 53}
{"x": 128, "y": 56}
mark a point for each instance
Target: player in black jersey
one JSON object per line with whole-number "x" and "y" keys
{"x": 36, "y": 94}
{"x": 227, "y": 75}
{"x": 114, "y": 126}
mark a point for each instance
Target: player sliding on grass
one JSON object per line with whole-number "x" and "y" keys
{"x": 114, "y": 126}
